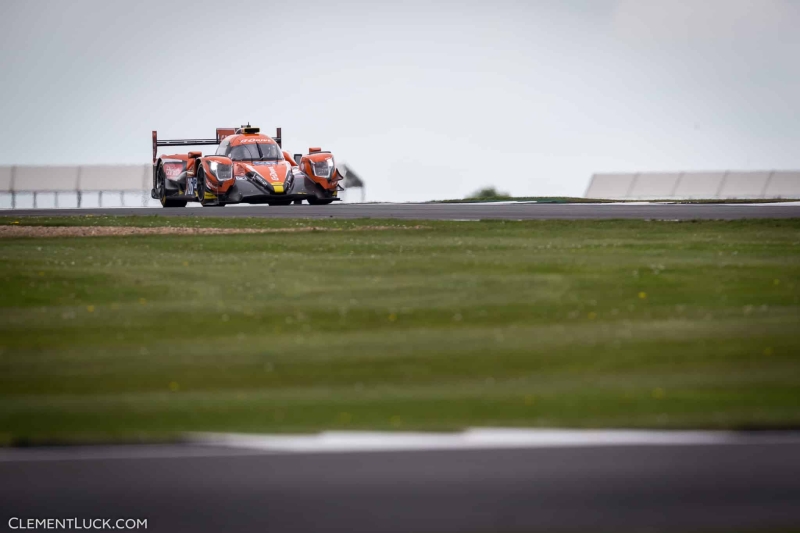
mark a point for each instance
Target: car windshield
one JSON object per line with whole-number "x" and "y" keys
{"x": 256, "y": 152}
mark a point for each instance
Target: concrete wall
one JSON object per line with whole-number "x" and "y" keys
{"x": 695, "y": 185}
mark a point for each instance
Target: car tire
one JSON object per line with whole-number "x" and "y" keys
{"x": 313, "y": 200}
{"x": 162, "y": 191}
{"x": 201, "y": 191}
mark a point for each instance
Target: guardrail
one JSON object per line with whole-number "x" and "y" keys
{"x": 695, "y": 185}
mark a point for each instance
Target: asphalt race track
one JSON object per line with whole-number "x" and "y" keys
{"x": 197, "y": 489}
{"x": 507, "y": 211}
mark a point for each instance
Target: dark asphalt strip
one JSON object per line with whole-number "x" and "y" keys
{"x": 617, "y": 488}
{"x": 454, "y": 211}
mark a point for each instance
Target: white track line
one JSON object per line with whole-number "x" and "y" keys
{"x": 770, "y": 204}
{"x": 209, "y": 445}
{"x": 479, "y": 439}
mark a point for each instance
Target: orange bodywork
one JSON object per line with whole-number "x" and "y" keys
{"x": 274, "y": 174}
{"x": 250, "y": 138}
{"x": 173, "y": 170}
{"x": 318, "y": 156}
{"x": 212, "y": 183}
{"x": 288, "y": 157}
{"x": 222, "y": 133}
{"x": 275, "y": 177}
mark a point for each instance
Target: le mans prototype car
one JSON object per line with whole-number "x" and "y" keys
{"x": 248, "y": 167}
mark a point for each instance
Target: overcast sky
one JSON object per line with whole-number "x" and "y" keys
{"x": 426, "y": 99}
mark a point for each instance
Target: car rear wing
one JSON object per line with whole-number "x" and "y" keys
{"x": 221, "y": 134}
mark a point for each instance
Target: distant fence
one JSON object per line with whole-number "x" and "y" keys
{"x": 695, "y": 185}
{"x": 98, "y": 179}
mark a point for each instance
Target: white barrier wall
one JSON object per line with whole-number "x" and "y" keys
{"x": 653, "y": 185}
{"x": 5, "y": 179}
{"x": 609, "y": 185}
{"x": 45, "y": 179}
{"x": 745, "y": 185}
{"x": 695, "y": 185}
{"x": 784, "y": 185}
{"x": 44, "y": 183}
{"x": 699, "y": 185}
{"x": 115, "y": 178}
{"x": 75, "y": 178}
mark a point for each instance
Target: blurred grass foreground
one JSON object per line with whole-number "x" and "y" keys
{"x": 396, "y": 325}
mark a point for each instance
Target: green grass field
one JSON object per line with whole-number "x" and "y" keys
{"x": 419, "y": 325}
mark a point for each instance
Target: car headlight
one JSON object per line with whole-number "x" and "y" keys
{"x": 222, "y": 171}
{"x": 323, "y": 169}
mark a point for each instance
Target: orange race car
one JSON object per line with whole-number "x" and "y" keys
{"x": 248, "y": 167}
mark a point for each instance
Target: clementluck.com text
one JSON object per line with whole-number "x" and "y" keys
{"x": 77, "y": 523}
